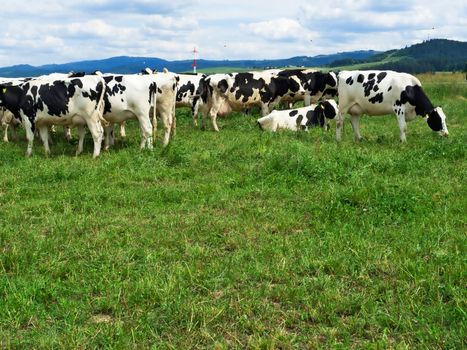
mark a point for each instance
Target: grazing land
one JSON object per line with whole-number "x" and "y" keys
{"x": 241, "y": 239}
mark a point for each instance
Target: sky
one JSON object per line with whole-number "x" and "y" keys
{"x": 41, "y": 32}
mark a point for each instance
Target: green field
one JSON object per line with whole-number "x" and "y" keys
{"x": 240, "y": 239}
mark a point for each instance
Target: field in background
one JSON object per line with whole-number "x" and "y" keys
{"x": 240, "y": 239}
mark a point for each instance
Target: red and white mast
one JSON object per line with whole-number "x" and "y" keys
{"x": 194, "y": 65}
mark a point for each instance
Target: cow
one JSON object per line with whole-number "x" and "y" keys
{"x": 47, "y": 101}
{"x": 385, "y": 92}
{"x": 314, "y": 85}
{"x": 299, "y": 118}
{"x": 165, "y": 99}
{"x": 223, "y": 93}
{"x": 129, "y": 96}
{"x": 188, "y": 93}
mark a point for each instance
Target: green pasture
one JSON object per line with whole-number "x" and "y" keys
{"x": 240, "y": 239}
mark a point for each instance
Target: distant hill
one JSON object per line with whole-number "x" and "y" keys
{"x": 428, "y": 56}
{"x": 125, "y": 64}
{"x": 431, "y": 55}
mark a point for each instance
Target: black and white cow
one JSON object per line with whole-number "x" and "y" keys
{"x": 314, "y": 85}
{"x": 385, "y": 92}
{"x": 299, "y": 118}
{"x": 40, "y": 103}
{"x": 139, "y": 96}
{"x": 188, "y": 93}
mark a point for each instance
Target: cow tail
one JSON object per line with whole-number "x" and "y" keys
{"x": 154, "y": 108}
{"x": 101, "y": 103}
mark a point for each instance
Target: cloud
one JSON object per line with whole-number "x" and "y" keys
{"x": 52, "y": 31}
{"x": 280, "y": 29}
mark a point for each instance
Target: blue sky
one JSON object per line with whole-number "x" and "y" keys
{"x": 50, "y": 31}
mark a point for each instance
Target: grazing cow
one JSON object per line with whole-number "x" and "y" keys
{"x": 43, "y": 102}
{"x": 385, "y": 92}
{"x": 299, "y": 118}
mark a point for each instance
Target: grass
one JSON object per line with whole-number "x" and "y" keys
{"x": 240, "y": 239}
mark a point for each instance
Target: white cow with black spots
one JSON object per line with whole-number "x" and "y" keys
{"x": 299, "y": 118}
{"x": 385, "y": 92}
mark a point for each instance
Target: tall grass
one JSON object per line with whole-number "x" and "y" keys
{"x": 240, "y": 239}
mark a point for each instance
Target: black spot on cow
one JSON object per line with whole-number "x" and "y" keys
{"x": 371, "y": 76}
{"x": 329, "y": 110}
{"x": 122, "y": 100}
{"x": 223, "y": 86}
{"x": 119, "y": 78}
{"x": 376, "y": 88}
{"x": 76, "y": 74}
{"x": 299, "y": 120}
{"x": 360, "y": 78}
{"x": 368, "y": 86}
{"x": 152, "y": 91}
{"x": 416, "y": 97}
{"x": 183, "y": 90}
{"x": 380, "y": 77}
{"x": 293, "y": 113}
{"x": 390, "y": 88}
{"x": 159, "y": 90}
{"x": 349, "y": 81}
{"x": 378, "y": 98}
{"x": 56, "y": 97}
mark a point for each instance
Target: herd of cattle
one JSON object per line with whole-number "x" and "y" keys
{"x": 99, "y": 101}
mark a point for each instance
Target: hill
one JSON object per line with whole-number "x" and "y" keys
{"x": 125, "y": 64}
{"x": 428, "y": 56}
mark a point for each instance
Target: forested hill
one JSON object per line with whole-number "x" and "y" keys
{"x": 428, "y": 56}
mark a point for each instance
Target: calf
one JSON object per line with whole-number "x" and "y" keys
{"x": 299, "y": 118}
{"x": 385, "y": 92}
{"x": 48, "y": 101}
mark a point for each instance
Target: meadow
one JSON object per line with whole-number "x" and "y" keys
{"x": 240, "y": 239}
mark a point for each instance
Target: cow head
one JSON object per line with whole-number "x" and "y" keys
{"x": 436, "y": 120}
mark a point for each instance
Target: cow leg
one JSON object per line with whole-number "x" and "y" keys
{"x": 81, "y": 133}
{"x": 402, "y": 126}
{"x": 97, "y": 132}
{"x": 307, "y": 100}
{"x": 14, "y": 136}
{"x": 122, "y": 130}
{"x": 339, "y": 125}
{"x": 194, "y": 113}
{"x": 167, "y": 121}
{"x": 154, "y": 127}
{"x": 264, "y": 110}
{"x": 44, "y": 134}
{"x": 146, "y": 132}
{"x": 67, "y": 132}
{"x": 5, "y": 134}
{"x": 355, "y": 121}
{"x": 108, "y": 130}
